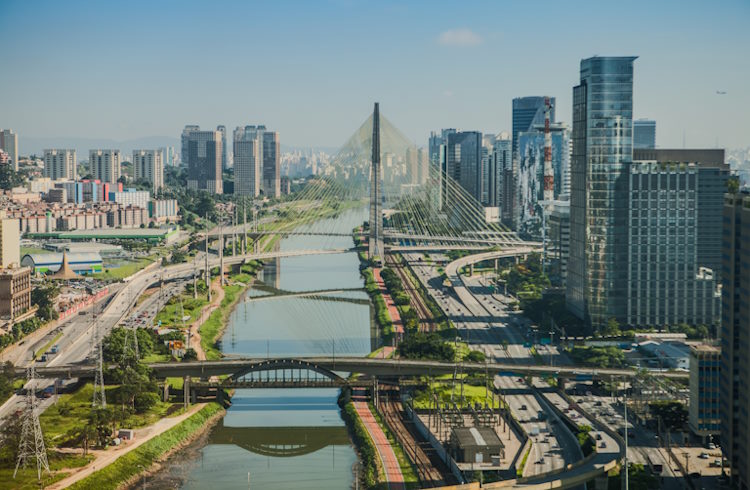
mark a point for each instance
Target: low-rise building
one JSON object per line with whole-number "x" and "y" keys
{"x": 164, "y": 210}
{"x": 672, "y": 355}
{"x": 80, "y": 263}
{"x": 10, "y": 241}
{"x": 703, "y": 415}
{"x": 15, "y": 291}
{"x": 475, "y": 445}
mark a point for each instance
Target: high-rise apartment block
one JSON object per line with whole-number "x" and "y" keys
{"x": 735, "y": 338}
{"x": 248, "y": 160}
{"x": 202, "y": 153}
{"x": 60, "y": 164}
{"x": 9, "y": 144}
{"x": 644, "y": 133}
{"x": 271, "y": 164}
{"x": 597, "y": 282}
{"x": 149, "y": 165}
{"x": 104, "y": 165}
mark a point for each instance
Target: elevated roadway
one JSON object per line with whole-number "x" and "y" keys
{"x": 374, "y": 367}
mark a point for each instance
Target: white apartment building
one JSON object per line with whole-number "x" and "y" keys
{"x": 105, "y": 165}
{"x": 149, "y": 165}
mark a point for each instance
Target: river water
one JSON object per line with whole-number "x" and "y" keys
{"x": 286, "y": 438}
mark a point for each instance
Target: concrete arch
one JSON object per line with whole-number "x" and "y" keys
{"x": 281, "y": 364}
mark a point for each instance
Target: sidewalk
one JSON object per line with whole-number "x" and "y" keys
{"x": 106, "y": 457}
{"x": 398, "y": 325}
{"x": 393, "y": 476}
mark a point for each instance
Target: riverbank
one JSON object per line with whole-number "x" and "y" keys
{"x": 123, "y": 468}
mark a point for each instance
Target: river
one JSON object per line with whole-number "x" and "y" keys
{"x": 286, "y": 438}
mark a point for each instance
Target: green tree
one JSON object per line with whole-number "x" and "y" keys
{"x": 9, "y": 178}
{"x": 44, "y": 298}
{"x": 612, "y": 329}
{"x": 190, "y": 355}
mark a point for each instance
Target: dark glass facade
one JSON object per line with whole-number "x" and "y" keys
{"x": 602, "y": 154}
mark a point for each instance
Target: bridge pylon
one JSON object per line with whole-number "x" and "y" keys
{"x": 375, "y": 246}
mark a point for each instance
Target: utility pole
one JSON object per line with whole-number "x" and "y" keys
{"x": 208, "y": 270}
{"x": 221, "y": 250}
{"x": 99, "y": 397}
{"x": 31, "y": 444}
{"x": 625, "y": 404}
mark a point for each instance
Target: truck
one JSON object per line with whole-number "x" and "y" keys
{"x": 541, "y": 415}
{"x": 54, "y": 349}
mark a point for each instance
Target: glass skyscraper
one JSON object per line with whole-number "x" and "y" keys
{"x": 602, "y": 137}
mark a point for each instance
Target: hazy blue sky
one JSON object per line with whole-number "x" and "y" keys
{"x": 311, "y": 69}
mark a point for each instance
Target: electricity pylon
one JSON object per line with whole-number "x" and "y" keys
{"x": 31, "y": 445}
{"x": 99, "y": 397}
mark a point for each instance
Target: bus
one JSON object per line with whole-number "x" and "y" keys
{"x": 654, "y": 464}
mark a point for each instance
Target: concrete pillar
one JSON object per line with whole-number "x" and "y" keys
{"x": 165, "y": 392}
{"x": 471, "y": 269}
{"x": 601, "y": 482}
{"x": 186, "y": 391}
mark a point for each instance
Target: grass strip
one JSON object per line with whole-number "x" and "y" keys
{"x": 519, "y": 471}
{"x": 49, "y": 344}
{"x": 129, "y": 465}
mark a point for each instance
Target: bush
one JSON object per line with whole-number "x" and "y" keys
{"x": 426, "y": 346}
{"x": 144, "y": 401}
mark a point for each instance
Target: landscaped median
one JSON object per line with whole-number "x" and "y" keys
{"x": 369, "y": 473}
{"x": 129, "y": 466}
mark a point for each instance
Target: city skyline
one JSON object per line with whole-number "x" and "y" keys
{"x": 321, "y": 86}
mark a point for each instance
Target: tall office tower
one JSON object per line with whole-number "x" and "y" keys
{"x": 558, "y": 241}
{"x": 712, "y": 184}
{"x": 9, "y": 143}
{"x": 644, "y": 133}
{"x": 149, "y": 165}
{"x": 271, "y": 164}
{"x": 485, "y": 170}
{"x": 500, "y": 161}
{"x": 223, "y": 130}
{"x": 248, "y": 158}
{"x": 423, "y": 166}
{"x": 168, "y": 156}
{"x": 438, "y": 144}
{"x": 60, "y": 164}
{"x": 527, "y": 113}
{"x": 204, "y": 161}
{"x": 529, "y": 178}
{"x": 464, "y": 160}
{"x": 105, "y": 165}
{"x": 596, "y": 286}
{"x": 185, "y": 138}
{"x": 667, "y": 283}
{"x": 735, "y": 338}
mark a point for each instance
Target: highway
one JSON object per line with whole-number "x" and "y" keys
{"x": 554, "y": 445}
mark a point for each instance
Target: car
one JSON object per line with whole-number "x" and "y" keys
{"x": 602, "y": 444}
{"x": 703, "y": 456}
{"x": 598, "y": 437}
{"x": 541, "y": 461}
{"x": 711, "y": 445}
{"x": 523, "y": 407}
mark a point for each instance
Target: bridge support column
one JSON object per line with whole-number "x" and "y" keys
{"x": 165, "y": 392}
{"x": 471, "y": 270}
{"x": 186, "y": 391}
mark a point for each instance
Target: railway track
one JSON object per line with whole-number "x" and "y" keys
{"x": 421, "y": 453}
{"x": 426, "y": 321}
